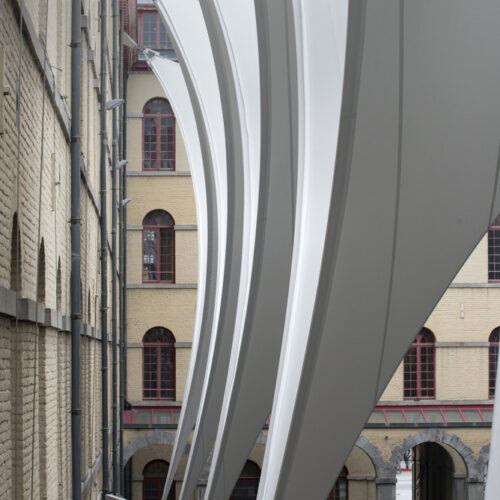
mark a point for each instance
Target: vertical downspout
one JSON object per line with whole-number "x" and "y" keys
{"x": 104, "y": 256}
{"x": 124, "y": 180}
{"x": 120, "y": 265}
{"x": 76, "y": 313}
{"x": 114, "y": 152}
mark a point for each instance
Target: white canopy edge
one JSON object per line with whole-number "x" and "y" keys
{"x": 170, "y": 76}
{"x": 249, "y": 394}
{"x": 242, "y": 128}
{"x": 185, "y": 24}
{"x": 415, "y": 188}
{"x": 321, "y": 29}
{"x": 234, "y": 38}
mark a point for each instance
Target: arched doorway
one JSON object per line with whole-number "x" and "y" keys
{"x": 154, "y": 475}
{"x": 433, "y": 472}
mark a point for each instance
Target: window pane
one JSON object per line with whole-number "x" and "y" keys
{"x": 414, "y": 416}
{"x": 162, "y": 417}
{"x": 434, "y": 416}
{"x": 142, "y": 417}
{"x": 471, "y": 416}
{"x": 377, "y": 417}
{"x": 149, "y": 29}
{"x": 149, "y": 255}
{"x": 488, "y": 415}
{"x": 452, "y": 416}
{"x": 395, "y": 416}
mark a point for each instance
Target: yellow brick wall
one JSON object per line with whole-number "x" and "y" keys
{"x": 173, "y": 194}
{"x": 475, "y": 269}
{"x": 172, "y": 309}
{"x": 186, "y": 257}
{"x": 35, "y": 402}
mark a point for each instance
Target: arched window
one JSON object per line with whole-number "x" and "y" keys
{"x": 158, "y": 133}
{"x": 419, "y": 376}
{"x": 89, "y": 309}
{"x": 159, "y": 364}
{"x": 15, "y": 256}
{"x": 59, "y": 286}
{"x": 248, "y": 482}
{"x": 494, "y": 251}
{"x": 340, "y": 490}
{"x": 40, "y": 293}
{"x": 493, "y": 361}
{"x": 154, "y": 475}
{"x": 158, "y": 247}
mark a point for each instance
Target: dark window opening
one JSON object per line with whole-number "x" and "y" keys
{"x": 15, "y": 257}
{"x": 248, "y": 483}
{"x": 154, "y": 476}
{"x": 493, "y": 361}
{"x": 494, "y": 251}
{"x": 40, "y": 293}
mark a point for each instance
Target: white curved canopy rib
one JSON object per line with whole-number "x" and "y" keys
{"x": 185, "y": 24}
{"x": 255, "y": 355}
{"x": 321, "y": 37}
{"x": 234, "y": 286}
{"x": 170, "y": 77}
{"x": 415, "y": 188}
{"x": 172, "y": 81}
{"x": 238, "y": 72}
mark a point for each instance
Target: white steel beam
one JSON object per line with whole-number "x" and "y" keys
{"x": 415, "y": 188}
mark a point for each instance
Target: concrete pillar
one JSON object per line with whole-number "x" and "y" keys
{"x": 386, "y": 489}
{"x": 475, "y": 490}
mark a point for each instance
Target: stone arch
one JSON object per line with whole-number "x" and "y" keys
{"x": 359, "y": 463}
{"x": 484, "y": 457}
{"x": 474, "y": 468}
{"x": 154, "y": 437}
{"x": 375, "y": 456}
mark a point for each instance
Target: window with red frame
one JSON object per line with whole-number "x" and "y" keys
{"x": 152, "y": 33}
{"x": 493, "y": 361}
{"x": 419, "y": 373}
{"x": 158, "y": 134}
{"x": 158, "y": 247}
{"x": 154, "y": 476}
{"x": 340, "y": 490}
{"x": 248, "y": 483}
{"x": 494, "y": 251}
{"x": 159, "y": 364}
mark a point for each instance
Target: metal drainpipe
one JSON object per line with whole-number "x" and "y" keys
{"x": 76, "y": 313}
{"x": 124, "y": 190}
{"x": 120, "y": 283}
{"x": 104, "y": 256}
{"x": 113, "y": 246}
